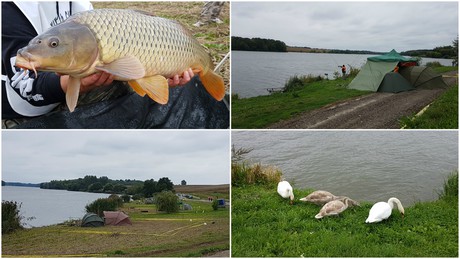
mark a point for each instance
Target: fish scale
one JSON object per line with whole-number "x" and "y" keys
{"x": 172, "y": 44}
{"x": 141, "y": 49}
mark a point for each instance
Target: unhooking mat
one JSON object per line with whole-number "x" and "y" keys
{"x": 189, "y": 107}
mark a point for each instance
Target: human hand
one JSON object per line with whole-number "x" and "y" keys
{"x": 90, "y": 82}
{"x": 181, "y": 80}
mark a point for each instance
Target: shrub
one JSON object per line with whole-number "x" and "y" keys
{"x": 215, "y": 204}
{"x": 126, "y": 198}
{"x": 243, "y": 174}
{"x": 137, "y": 197}
{"x": 353, "y": 71}
{"x": 102, "y": 204}
{"x": 117, "y": 199}
{"x": 450, "y": 190}
{"x": 167, "y": 201}
{"x": 433, "y": 64}
{"x": 11, "y": 219}
{"x": 297, "y": 82}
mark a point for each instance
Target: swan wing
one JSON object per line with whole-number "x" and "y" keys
{"x": 331, "y": 208}
{"x": 319, "y": 197}
{"x": 379, "y": 211}
{"x": 284, "y": 189}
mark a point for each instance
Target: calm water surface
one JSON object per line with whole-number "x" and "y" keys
{"x": 364, "y": 165}
{"x": 254, "y": 72}
{"x": 49, "y": 207}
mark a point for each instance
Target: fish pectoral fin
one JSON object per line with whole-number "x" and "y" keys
{"x": 213, "y": 83}
{"x": 72, "y": 92}
{"x": 156, "y": 88}
{"x": 127, "y": 68}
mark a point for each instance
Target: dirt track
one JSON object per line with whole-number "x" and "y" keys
{"x": 373, "y": 111}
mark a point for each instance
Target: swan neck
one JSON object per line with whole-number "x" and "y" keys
{"x": 393, "y": 201}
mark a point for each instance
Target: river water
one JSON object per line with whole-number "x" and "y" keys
{"x": 254, "y": 72}
{"x": 48, "y": 207}
{"x": 364, "y": 165}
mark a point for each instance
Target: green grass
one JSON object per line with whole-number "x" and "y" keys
{"x": 265, "y": 225}
{"x": 152, "y": 234}
{"x": 442, "y": 113}
{"x": 261, "y": 111}
{"x": 445, "y": 69}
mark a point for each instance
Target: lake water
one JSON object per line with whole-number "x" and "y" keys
{"x": 364, "y": 165}
{"x": 49, "y": 207}
{"x": 254, "y": 72}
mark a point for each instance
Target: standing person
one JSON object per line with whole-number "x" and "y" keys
{"x": 344, "y": 71}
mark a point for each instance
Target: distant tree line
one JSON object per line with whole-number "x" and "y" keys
{"x": 438, "y": 52}
{"x": 336, "y": 51}
{"x": 258, "y": 44}
{"x": 103, "y": 184}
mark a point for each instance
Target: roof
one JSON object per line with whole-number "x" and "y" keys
{"x": 391, "y": 56}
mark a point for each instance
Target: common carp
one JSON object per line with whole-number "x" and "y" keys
{"x": 132, "y": 45}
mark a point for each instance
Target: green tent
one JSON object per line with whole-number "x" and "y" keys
{"x": 394, "y": 83}
{"x": 92, "y": 220}
{"x": 374, "y": 71}
{"x": 423, "y": 77}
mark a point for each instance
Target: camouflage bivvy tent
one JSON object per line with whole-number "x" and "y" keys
{"x": 92, "y": 220}
{"x": 377, "y": 75}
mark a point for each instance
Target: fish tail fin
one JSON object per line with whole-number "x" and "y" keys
{"x": 213, "y": 83}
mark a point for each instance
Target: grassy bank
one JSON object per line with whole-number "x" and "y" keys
{"x": 441, "y": 114}
{"x": 261, "y": 111}
{"x": 184, "y": 234}
{"x": 264, "y": 224}
{"x": 443, "y": 69}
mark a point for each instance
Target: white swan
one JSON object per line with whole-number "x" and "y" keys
{"x": 320, "y": 197}
{"x": 382, "y": 210}
{"x": 334, "y": 207}
{"x": 285, "y": 190}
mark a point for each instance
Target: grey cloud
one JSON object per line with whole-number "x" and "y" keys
{"x": 349, "y": 25}
{"x": 189, "y": 155}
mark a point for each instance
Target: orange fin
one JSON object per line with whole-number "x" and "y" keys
{"x": 137, "y": 88}
{"x": 72, "y": 92}
{"x": 126, "y": 68}
{"x": 213, "y": 83}
{"x": 156, "y": 88}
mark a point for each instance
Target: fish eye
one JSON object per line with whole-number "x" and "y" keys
{"x": 53, "y": 42}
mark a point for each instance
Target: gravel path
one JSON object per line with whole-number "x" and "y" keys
{"x": 373, "y": 111}
{"x": 225, "y": 253}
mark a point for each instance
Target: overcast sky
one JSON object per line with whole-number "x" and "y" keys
{"x": 199, "y": 157}
{"x": 379, "y": 26}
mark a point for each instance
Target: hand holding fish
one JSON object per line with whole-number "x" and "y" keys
{"x": 177, "y": 80}
{"x": 104, "y": 79}
{"x": 90, "y": 82}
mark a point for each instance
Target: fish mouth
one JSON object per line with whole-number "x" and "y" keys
{"x": 25, "y": 61}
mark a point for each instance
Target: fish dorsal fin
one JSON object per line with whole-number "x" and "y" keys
{"x": 156, "y": 87}
{"x": 73, "y": 90}
{"x": 125, "y": 68}
{"x": 213, "y": 83}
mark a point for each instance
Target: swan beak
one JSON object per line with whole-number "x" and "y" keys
{"x": 291, "y": 202}
{"x": 402, "y": 215}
